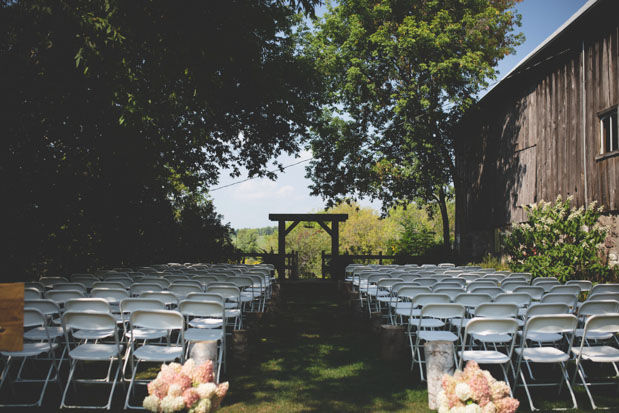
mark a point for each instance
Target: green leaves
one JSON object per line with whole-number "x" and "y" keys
{"x": 558, "y": 241}
{"x": 399, "y": 76}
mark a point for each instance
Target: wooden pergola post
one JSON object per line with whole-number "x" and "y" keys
{"x": 333, "y": 231}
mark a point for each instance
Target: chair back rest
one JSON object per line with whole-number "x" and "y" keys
{"x": 565, "y": 289}
{"x": 422, "y": 299}
{"x": 536, "y": 293}
{"x": 602, "y": 323}
{"x": 182, "y": 289}
{"x": 482, "y": 283}
{"x": 409, "y": 292}
{"x": 226, "y": 291}
{"x": 201, "y": 308}
{"x": 140, "y": 287}
{"x": 543, "y": 279}
{"x": 164, "y": 296}
{"x": 62, "y": 296}
{"x": 129, "y": 305}
{"x": 603, "y": 296}
{"x": 527, "y": 275}
{"x": 88, "y": 321}
{"x": 108, "y": 284}
{"x": 191, "y": 282}
{"x": 511, "y": 285}
{"x": 447, "y": 284}
{"x": 497, "y": 310}
{"x": 472, "y": 300}
{"x": 489, "y": 325}
{"x": 157, "y": 319}
{"x": 75, "y": 286}
{"x": 49, "y": 282}
{"x": 520, "y": 299}
{"x": 124, "y": 281}
{"x": 552, "y": 323}
{"x": 206, "y": 296}
{"x": 605, "y": 288}
{"x": 110, "y": 294}
{"x": 33, "y": 318}
{"x": 451, "y": 292}
{"x": 569, "y": 299}
{"x": 426, "y": 282}
{"x": 31, "y": 293}
{"x": 162, "y": 282}
{"x": 547, "y": 309}
{"x": 598, "y": 307}
{"x": 443, "y": 310}
{"x": 584, "y": 285}
{"x": 98, "y": 305}
{"x": 491, "y": 291}
{"x": 45, "y": 306}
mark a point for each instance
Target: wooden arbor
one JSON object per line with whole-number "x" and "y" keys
{"x": 322, "y": 219}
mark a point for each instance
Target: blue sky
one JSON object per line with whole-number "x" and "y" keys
{"x": 248, "y": 204}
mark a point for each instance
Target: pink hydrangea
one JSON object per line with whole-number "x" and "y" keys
{"x": 506, "y": 405}
{"x": 479, "y": 388}
{"x": 183, "y": 381}
{"x": 188, "y": 367}
{"x": 222, "y": 389}
{"x": 499, "y": 389}
{"x": 203, "y": 373}
{"x": 190, "y": 396}
{"x": 158, "y": 387}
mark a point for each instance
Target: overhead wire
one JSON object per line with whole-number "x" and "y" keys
{"x": 256, "y": 177}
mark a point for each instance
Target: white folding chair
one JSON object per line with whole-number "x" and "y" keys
{"x": 584, "y": 285}
{"x": 206, "y": 321}
{"x": 562, "y": 324}
{"x": 91, "y": 321}
{"x": 33, "y": 319}
{"x": 596, "y": 326}
{"x": 443, "y": 312}
{"x": 604, "y": 288}
{"x": 483, "y": 326}
{"x": 159, "y": 353}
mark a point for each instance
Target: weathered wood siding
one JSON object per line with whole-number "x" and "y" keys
{"x": 525, "y": 142}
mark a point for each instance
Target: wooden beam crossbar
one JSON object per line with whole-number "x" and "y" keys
{"x": 291, "y": 227}
{"x": 333, "y": 232}
{"x": 325, "y": 227}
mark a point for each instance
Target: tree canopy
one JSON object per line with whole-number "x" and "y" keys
{"x": 117, "y": 116}
{"x": 399, "y": 76}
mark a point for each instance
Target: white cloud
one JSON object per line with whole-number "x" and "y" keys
{"x": 262, "y": 189}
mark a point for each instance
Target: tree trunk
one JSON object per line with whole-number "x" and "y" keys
{"x": 445, "y": 217}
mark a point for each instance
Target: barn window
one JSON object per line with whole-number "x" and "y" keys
{"x": 609, "y": 137}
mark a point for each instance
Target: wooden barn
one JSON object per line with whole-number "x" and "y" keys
{"x": 548, "y": 128}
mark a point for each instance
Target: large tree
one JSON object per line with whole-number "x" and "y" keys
{"x": 117, "y": 115}
{"x": 399, "y": 76}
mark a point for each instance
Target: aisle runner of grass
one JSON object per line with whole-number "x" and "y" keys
{"x": 313, "y": 355}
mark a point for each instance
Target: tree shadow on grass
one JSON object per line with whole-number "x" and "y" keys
{"x": 312, "y": 356}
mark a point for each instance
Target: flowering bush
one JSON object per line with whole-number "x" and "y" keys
{"x": 474, "y": 390}
{"x": 558, "y": 241}
{"x": 188, "y": 386}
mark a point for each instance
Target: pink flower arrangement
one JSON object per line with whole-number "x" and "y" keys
{"x": 474, "y": 390}
{"x": 189, "y": 386}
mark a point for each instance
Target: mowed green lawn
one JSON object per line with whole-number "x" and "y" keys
{"x": 314, "y": 356}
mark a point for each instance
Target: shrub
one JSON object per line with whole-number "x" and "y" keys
{"x": 558, "y": 241}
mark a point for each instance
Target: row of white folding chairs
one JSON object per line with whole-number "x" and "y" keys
{"x": 251, "y": 285}
{"x": 542, "y": 334}
{"x": 87, "y": 319}
{"x": 400, "y": 301}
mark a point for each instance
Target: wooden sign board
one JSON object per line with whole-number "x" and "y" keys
{"x": 12, "y": 317}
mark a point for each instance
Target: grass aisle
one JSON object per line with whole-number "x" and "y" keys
{"x": 313, "y": 355}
